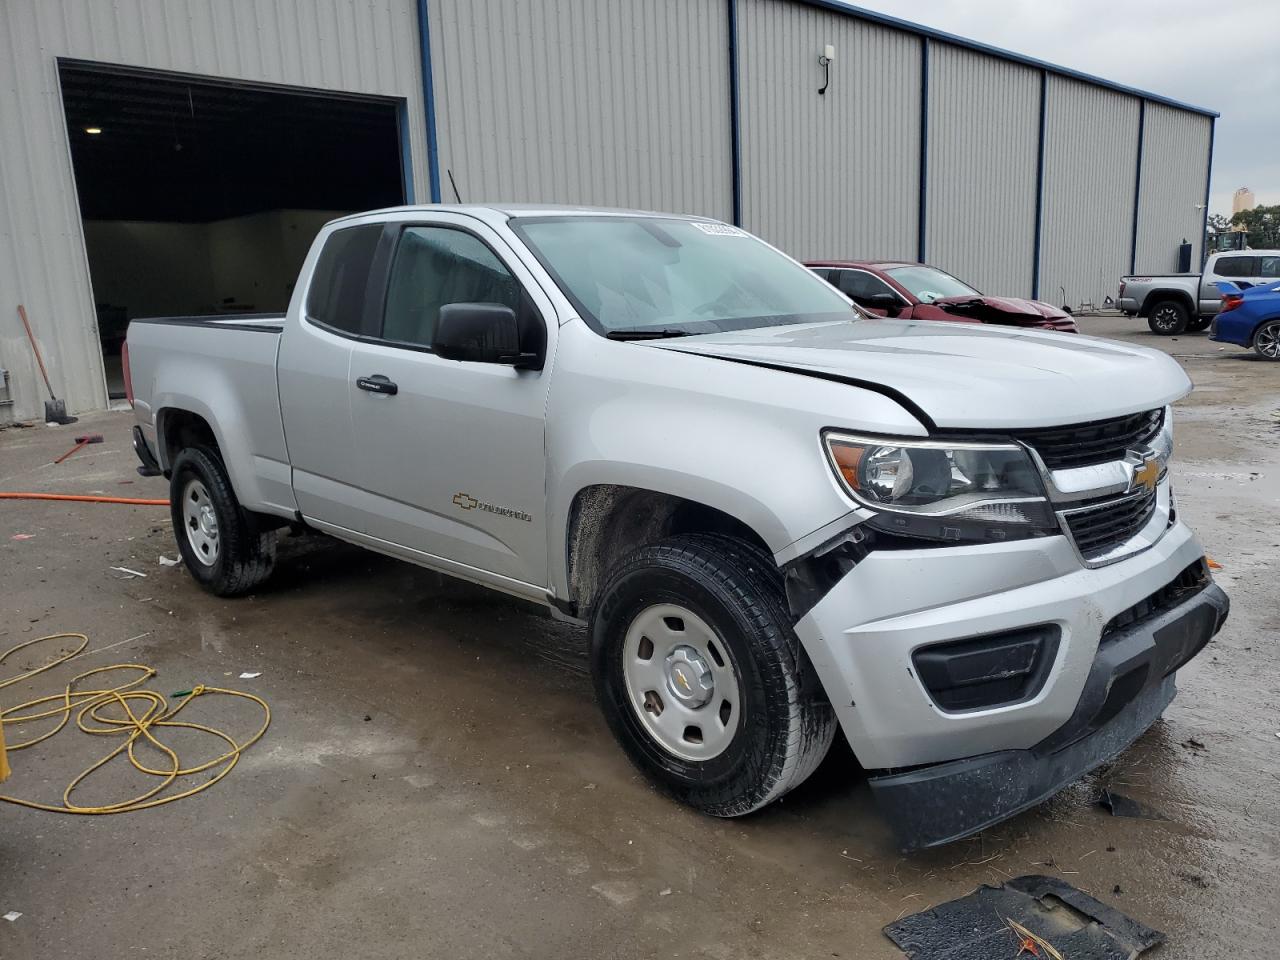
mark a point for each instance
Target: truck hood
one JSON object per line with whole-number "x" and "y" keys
{"x": 961, "y": 376}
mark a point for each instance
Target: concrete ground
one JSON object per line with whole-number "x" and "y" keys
{"x": 437, "y": 782}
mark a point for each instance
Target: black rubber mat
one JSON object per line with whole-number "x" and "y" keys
{"x": 976, "y": 927}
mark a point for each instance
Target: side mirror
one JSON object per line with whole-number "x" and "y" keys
{"x": 480, "y": 333}
{"x": 882, "y": 301}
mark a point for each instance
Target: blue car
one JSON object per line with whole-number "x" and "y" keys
{"x": 1249, "y": 317}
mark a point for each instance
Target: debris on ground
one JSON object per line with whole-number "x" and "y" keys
{"x": 12, "y": 915}
{"x": 23, "y": 536}
{"x": 131, "y": 573}
{"x": 1118, "y": 805}
{"x": 169, "y": 561}
{"x": 664, "y": 892}
{"x": 1191, "y": 743}
{"x": 250, "y": 676}
{"x": 1041, "y": 916}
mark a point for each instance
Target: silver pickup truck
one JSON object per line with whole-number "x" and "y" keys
{"x": 1176, "y": 302}
{"x": 775, "y": 515}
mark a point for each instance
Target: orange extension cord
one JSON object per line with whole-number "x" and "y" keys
{"x": 83, "y": 498}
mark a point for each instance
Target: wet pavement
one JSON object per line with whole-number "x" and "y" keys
{"x": 437, "y": 781}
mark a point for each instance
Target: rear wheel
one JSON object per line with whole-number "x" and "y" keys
{"x": 223, "y": 545}
{"x": 1266, "y": 340}
{"x": 1168, "y": 318}
{"x": 701, "y": 678}
{"x": 1196, "y": 324}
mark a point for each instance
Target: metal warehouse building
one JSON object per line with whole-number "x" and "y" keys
{"x": 177, "y": 156}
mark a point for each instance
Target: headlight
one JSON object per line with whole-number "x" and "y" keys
{"x": 955, "y": 484}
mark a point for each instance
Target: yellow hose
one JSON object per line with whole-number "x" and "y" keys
{"x": 94, "y": 717}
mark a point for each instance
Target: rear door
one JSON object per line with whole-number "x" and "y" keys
{"x": 453, "y": 460}
{"x": 314, "y": 373}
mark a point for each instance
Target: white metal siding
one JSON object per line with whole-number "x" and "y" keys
{"x": 984, "y": 137}
{"x": 837, "y": 175}
{"x": 1175, "y": 155}
{"x": 614, "y": 103}
{"x": 1091, "y": 155}
{"x": 356, "y": 46}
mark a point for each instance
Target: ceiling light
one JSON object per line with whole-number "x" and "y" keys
{"x": 93, "y": 130}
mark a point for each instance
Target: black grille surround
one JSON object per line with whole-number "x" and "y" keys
{"x": 1099, "y": 528}
{"x": 1194, "y": 578}
{"x": 1084, "y": 444}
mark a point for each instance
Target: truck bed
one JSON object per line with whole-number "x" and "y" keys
{"x": 222, "y": 369}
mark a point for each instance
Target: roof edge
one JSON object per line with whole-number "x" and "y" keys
{"x": 897, "y": 23}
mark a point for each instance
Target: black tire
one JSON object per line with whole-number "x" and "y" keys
{"x": 1196, "y": 324}
{"x": 1168, "y": 318}
{"x": 245, "y": 554}
{"x": 1266, "y": 340}
{"x": 786, "y": 723}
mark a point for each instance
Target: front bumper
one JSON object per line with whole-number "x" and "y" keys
{"x": 1131, "y": 683}
{"x": 862, "y": 636}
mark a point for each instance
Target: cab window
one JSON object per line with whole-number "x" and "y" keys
{"x": 1269, "y": 267}
{"x": 437, "y": 266}
{"x": 1236, "y": 267}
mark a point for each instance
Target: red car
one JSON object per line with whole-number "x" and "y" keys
{"x": 918, "y": 291}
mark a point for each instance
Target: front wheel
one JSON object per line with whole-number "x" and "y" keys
{"x": 701, "y": 677}
{"x": 1266, "y": 340}
{"x": 1168, "y": 318}
{"x": 222, "y": 544}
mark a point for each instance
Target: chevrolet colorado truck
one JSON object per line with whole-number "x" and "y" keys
{"x": 1176, "y": 302}
{"x": 776, "y": 515}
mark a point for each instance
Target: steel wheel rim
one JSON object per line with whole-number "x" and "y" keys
{"x": 1166, "y": 318}
{"x": 200, "y": 521}
{"x": 1269, "y": 341}
{"x": 681, "y": 682}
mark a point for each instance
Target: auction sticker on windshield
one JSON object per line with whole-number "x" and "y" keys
{"x": 720, "y": 230}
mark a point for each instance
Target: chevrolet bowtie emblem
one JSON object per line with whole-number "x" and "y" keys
{"x": 1147, "y": 475}
{"x": 465, "y": 501}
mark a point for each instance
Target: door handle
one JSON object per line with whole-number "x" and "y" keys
{"x": 378, "y": 384}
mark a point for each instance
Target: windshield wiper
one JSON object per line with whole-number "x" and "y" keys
{"x": 646, "y": 333}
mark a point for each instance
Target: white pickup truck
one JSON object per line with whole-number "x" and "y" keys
{"x": 776, "y": 515}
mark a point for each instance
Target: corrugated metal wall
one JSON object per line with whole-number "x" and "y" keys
{"x": 580, "y": 101}
{"x": 357, "y": 46}
{"x": 984, "y": 144}
{"x": 1091, "y": 155}
{"x": 834, "y": 175}
{"x": 1175, "y": 157}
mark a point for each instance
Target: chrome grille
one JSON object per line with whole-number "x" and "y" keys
{"x": 1100, "y": 528}
{"x": 1083, "y": 444}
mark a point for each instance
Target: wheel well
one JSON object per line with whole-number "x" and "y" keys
{"x": 1157, "y": 297}
{"x": 608, "y": 521}
{"x": 182, "y": 428}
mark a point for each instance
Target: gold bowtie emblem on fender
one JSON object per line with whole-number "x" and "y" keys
{"x": 1147, "y": 475}
{"x": 465, "y": 501}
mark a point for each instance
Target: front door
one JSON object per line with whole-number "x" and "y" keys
{"x": 451, "y": 451}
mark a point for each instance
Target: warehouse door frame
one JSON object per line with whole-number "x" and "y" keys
{"x": 77, "y": 64}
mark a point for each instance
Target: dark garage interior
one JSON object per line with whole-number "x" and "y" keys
{"x": 201, "y": 197}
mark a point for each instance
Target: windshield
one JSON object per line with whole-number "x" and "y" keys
{"x": 928, "y": 284}
{"x": 676, "y": 276}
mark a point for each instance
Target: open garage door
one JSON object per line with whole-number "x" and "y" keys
{"x": 201, "y": 196}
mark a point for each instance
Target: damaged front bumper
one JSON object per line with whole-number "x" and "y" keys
{"x": 1131, "y": 683}
{"x": 981, "y": 679}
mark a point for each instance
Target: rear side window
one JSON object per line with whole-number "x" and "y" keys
{"x": 437, "y": 266}
{"x": 337, "y": 294}
{"x": 1269, "y": 267}
{"x": 1237, "y": 267}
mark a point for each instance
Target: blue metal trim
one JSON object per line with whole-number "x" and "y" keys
{"x": 406, "y": 154}
{"x": 429, "y": 102}
{"x": 1208, "y": 180}
{"x": 899, "y": 24}
{"x": 923, "y": 213}
{"x": 1035, "y": 246}
{"x": 1137, "y": 185}
{"x": 735, "y": 123}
